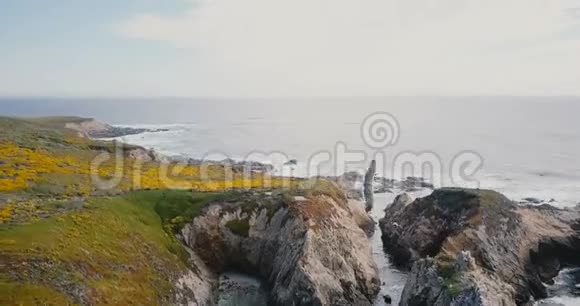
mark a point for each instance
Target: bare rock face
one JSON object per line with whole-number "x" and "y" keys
{"x": 361, "y": 217}
{"x": 141, "y": 154}
{"x": 88, "y": 127}
{"x": 308, "y": 248}
{"x": 195, "y": 287}
{"x": 476, "y": 247}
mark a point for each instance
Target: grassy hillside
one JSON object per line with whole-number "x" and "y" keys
{"x": 109, "y": 250}
{"x": 42, "y": 158}
{"x": 64, "y": 240}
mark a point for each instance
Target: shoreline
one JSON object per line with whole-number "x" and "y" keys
{"x": 514, "y": 185}
{"x": 255, "y": 211}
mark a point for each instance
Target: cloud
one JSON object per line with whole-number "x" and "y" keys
{"x": 372, "y": 47}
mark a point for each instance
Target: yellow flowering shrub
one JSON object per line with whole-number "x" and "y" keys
{"x": 6, "y": 213}
{"x": 74, "y": 172}
{"x": 20, "y": 166}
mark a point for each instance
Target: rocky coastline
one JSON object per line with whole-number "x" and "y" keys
{"x": 308, "y": 247}
{"x": 363, "y": 187}
{"x": 461, "y": 246}
{"x": 90, "y": 128}
{"x": 307, "y": 244}
{"x": 476, "y": 247}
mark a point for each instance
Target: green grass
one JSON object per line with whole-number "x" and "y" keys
{"x": 56, "y": 122}
{"x": 451, "y": 280}
{"x": 177, "y": 207}
{"x": 316, "y": 187}
{"x": 118, "y": 249}
{"x": 28, "y": 294}
{"x": 33, "y": 134}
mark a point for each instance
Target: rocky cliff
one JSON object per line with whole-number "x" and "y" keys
{"x": 307, "y": 246}
{"x": 63, "y": 242}
{"x": 476, "y": 247}
{"x": 94, "y": 129}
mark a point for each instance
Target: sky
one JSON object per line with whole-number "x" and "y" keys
{"x": 289, "y": 48}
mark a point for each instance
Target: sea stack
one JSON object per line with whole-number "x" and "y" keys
{"x": 368, "y": 185}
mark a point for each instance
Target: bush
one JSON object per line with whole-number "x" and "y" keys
{"x": 240, "y": 227}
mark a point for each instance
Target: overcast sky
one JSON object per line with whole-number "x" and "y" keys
{"x": 280, "y": 48}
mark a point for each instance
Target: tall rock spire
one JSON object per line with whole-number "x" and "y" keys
{"x": 368, "y": 185}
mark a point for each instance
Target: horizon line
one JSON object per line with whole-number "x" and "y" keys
{"x": 239, "y": 98}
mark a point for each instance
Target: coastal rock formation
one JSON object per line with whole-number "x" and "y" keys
{"x": 412, "y": 183}
{"x": 129, "y": 151}
{"x": 476, "y": 247}
{"x": 361, "y": 186}
{"x": 351, "y": 182}
{"x": 368, "y": 185}
{"x": 307, "y": 247}
{"x": 91, "y": 128}
{"x": 409, "y": 184}
{"x": 196, "y": 287}
{"x": 235, "y": 165}
{"x": 361, "y": 217}
{"x": 141, "y": 154}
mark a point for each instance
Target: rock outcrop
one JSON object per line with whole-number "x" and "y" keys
{"x": 361, "y": 217}
{"x": 368, "y": 185}
{"x": 197, "y": 286}
{"x": 476, "y": 247}
{"x": 361, "y": 186}
{"x": 94, "y": 129}
{"x": 141, "y": 154}
{"x": 307, "y": 247}
{"x": 351, "y": 182}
